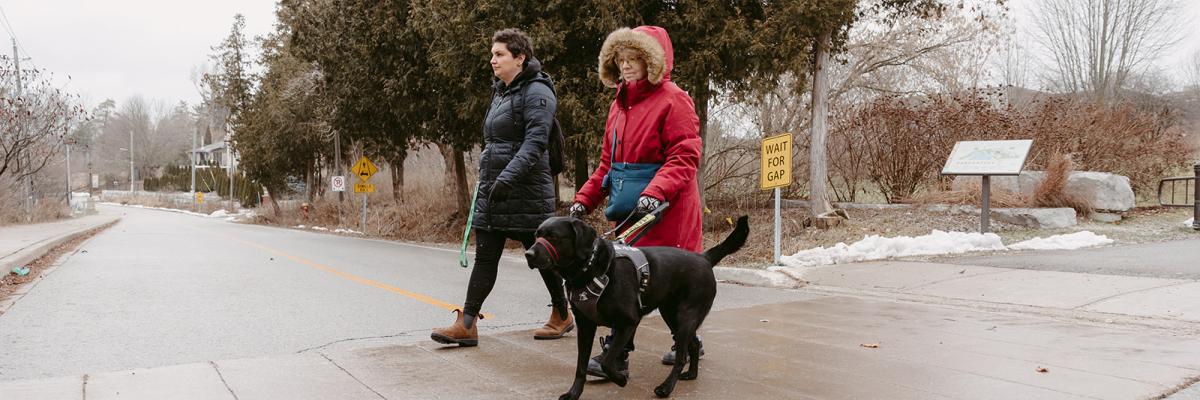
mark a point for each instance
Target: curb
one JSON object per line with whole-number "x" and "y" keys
{"x": 33, "y": 252}
{"x": 758, "y": 277}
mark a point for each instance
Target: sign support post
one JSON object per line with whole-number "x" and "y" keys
{"x": 776, "y": 173}
{"x": 364, "y": 169}
{"x": 985, "y": 159}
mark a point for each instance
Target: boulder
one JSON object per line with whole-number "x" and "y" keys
{"x": 1037, "y": 218}
{"x": 1106, "y": 217}
{"x": 1105, "y": 191}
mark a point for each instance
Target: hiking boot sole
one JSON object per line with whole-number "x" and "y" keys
{"x": 443, "y": 339}
{"x": 558, "y": 336}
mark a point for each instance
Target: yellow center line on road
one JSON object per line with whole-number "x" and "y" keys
{"x": 415, "y": 296}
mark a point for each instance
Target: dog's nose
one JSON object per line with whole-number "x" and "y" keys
{"x": 529, "y": 257}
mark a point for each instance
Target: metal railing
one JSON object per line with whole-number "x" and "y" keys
{"x": 1189, "y": 196}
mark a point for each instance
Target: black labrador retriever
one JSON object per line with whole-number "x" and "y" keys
{"x": 608, "y": 290}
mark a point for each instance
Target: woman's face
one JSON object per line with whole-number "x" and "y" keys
{"x": 632, "y": 66}
{"x": 504, "y": 66}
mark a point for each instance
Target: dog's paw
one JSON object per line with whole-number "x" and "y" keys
{"x": 568, "y": 396}
{"x": 688, "y": 375}
{"x": 663, "y": 391}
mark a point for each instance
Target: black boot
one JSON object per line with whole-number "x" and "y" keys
{"x": 669, "y": 357}
{"x": 594, "y": 368}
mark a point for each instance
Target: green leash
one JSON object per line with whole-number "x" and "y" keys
{"x": 462, "y": 254}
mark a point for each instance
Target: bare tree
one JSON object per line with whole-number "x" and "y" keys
{"x": 33, "y": 121}
{"x": 1098, "y": 46}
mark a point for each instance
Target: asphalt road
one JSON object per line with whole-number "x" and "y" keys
{"x": 1172, "y": 260}
{"x": 163, "y": 288}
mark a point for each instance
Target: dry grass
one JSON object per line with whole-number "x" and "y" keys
{"x": 973, "y": 195}
{"x": 1051, "y": 191}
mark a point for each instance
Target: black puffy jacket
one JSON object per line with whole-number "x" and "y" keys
{"x": 514, "y": 152}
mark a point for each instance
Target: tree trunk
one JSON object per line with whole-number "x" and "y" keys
{"x": 274, "y": 201}
{"x": 398, "y": 178}
{"x": 460, "y": 177}
{"x": 309, "y": 183}
{"x": 701, "y": 99}
{"x": 818, "y": 199}
{"x": 582, "y": 172}
{"x": 447, "y": 152}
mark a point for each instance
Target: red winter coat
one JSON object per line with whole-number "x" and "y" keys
{"x": 655, "y": 122}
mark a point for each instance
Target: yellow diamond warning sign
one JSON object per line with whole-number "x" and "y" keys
{"x": 776, "y": 161}
{"x": 364, "y": 169}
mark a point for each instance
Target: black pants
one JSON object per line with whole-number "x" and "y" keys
{"x": 489, "y": 246}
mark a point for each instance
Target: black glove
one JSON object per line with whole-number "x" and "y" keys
{"x": 577, "y": 210}
{"x": 500, "y": 192}
{"x": 647, "y": 204}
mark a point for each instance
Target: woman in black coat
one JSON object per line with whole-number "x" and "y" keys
{"x": 516, "y": 189}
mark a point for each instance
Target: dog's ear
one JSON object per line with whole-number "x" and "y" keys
{"x": 584, "y": 237}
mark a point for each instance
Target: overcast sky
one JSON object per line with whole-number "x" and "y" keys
{"x": 119, "y": 48}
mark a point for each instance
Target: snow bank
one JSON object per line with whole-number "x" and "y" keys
{"x": 875, "y": 247}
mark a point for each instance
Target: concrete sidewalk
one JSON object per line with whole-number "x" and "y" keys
{"x": 20, "y": 244}
{"x": 1143, "y": 297}
{"x": 819, "y": 348}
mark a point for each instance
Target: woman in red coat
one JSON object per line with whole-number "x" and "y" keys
{"x": 652, "y": 124}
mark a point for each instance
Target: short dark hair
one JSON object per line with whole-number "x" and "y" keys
{"x": 516, "y": 41}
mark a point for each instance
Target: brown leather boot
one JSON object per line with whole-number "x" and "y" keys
{"x": 556, "y": 327}
{"x": 458, "y": 333}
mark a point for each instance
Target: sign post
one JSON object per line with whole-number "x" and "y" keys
{"x": 776, "y": 172}
{"x": 987, "y": 158}
{"x": 364, "y": 169}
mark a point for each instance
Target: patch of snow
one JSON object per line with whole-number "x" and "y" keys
{"x": 320, "y": 228}
{"x": 219, "y": 213}
{"x": 1189, "y": 222}
{"x": 341, "y": 230}
{"x": 1077, "y": 240}
{"x": 875, "y": 247}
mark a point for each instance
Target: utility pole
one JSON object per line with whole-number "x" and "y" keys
{"x": 67, "y": 143}
{"x": 131, "y": 161}
{"x": 28, "y": 178}
{"x": 229, "y": 151}
{"x": 192, "y": 161}
{"x": 337, "y": 160}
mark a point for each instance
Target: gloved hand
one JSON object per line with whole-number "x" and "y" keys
{"x": 647, "y": 204}
{"x": 500, "y": 192}
{"x": 577, "y": 210}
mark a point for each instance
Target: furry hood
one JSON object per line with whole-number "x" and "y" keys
{"x": 651, "y": 41}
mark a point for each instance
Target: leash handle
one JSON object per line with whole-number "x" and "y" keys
{"x": 462, "y": 253}
{"x": 653, "y": 215}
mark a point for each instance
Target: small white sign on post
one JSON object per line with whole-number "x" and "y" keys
{"x": 990, "y": 157}
{"x": 339, "y": 183}
{"x": 987, "y": 158}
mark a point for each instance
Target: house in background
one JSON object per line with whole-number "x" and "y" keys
{"x": 213, "y": 154}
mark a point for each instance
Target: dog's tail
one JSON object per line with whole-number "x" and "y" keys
{"x": 731, "y": 244}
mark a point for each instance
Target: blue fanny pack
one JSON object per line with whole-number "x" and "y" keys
{"x": 625, "y": 183}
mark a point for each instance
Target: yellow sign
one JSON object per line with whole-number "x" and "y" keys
{"x": 776, "y": 161}
{"x": 364, "y": 188}
{"x": 200, "y": 197}
{"x": 364, "y": 169}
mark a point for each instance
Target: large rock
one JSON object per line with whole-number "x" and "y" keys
{"x": 1036, "y": 218}
{"x": 1105, "y": 191}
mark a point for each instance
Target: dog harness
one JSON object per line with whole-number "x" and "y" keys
{"x": 587, "y": 298}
